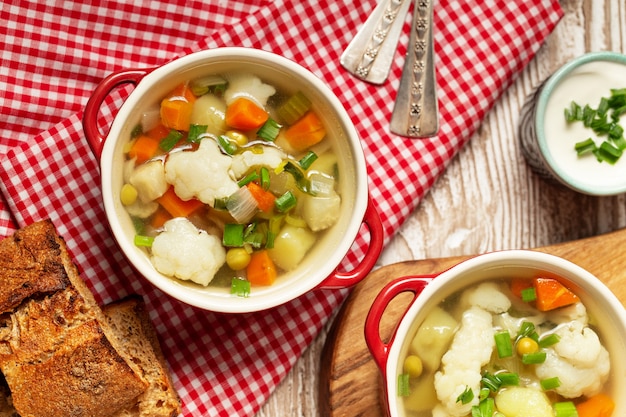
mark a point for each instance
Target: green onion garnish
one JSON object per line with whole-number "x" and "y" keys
{"x": 529, "y": 294}
{"x": 565, "y": 409}
{"x": 269, "y": 131}
{"x": 403, "y": 385}
{"x": 533, "y": 358}
{"x": 490, "y": 381}
{"x": 550, "y": 383}
{"x": 466, "y": 396}
{"x": 508, "y": 378}
{"x": 607, "y": 153}
{"x": 307, "y": 160}
{"x": 549, "y": 340}
{"x": 302, "y": 182}
{"x": 227, "y": 145}
{"x": 484, "y": 408}
{"x": 253, "y": 176}
{"x": 503, "y": 344}
{"x": 143, "y": 241}
{"x": 527, "y": 329}
{"x": 168, "y": 142}
{"x": 285, "y": 202}
{"x": 274, "y": 225}
{"x": 240, "y": 287}
{"x": 233, "y": 235}
{"x": 585, "y": 146}
{"x": 196, "y": 132}
{"x": 265, "y": 178}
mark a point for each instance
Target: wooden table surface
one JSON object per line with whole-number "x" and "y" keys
{"x": 488, "y": 199}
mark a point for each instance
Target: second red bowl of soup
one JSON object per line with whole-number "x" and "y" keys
{"x": 233, "y": 179}
{"x": 511, "y": 333}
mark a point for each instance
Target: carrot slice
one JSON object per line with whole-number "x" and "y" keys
{"x": 176, "y": 206}
{"x": 600, "y": 405}
{"x": 244, "y": 114}
{"x": 159, "y": 218}
{"x": 552, "y": 294}
{"x": 143, "y": 148}
{"x": 306, "y": 132}
{"x": 261, "y": 269}
{"x": 264, "y": 199}
{"x": 176, "y": 108}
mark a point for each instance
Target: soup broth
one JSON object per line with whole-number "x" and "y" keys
{"x": 506, "y": 347}
{"x": 230, "y": 181}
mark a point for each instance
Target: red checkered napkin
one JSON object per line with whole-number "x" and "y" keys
{"x": 227, "y": 365}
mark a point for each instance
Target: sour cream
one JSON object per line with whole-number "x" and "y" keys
{"x": 584, "y": 84}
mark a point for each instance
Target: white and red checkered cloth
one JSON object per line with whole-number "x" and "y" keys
{"x": 53, "y": 54}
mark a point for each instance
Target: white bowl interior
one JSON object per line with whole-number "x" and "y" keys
{"x": 607, "y": 310}
{"x": 288, "y": 77}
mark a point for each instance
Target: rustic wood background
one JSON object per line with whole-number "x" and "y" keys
{"x": 488, "y": 199}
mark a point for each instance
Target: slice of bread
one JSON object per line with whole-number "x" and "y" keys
{"x": 132, "y": 324}
{"x": 59, "y": 354}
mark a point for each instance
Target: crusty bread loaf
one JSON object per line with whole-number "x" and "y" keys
{"x": 132, "y": 324}
{"x": 59, "y": 355}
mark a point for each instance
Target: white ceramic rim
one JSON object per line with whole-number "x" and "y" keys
{"x": 270, "y": 296}
{"x": 546, "y": 91}
{"x": 523, "y": 258}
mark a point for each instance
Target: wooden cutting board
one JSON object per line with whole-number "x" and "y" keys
{"x": 350, "y": 381}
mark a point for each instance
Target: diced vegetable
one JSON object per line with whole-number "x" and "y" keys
{"x": 523, "y": 402}
{"x": 552, "y": 294}
{"x": 565, "y": 409}
{"x": 534, "y": 358}
{"x": 294, "y": 108}
{"x": 290, "y": 246}
{"x": 550, "y": 383}
{"x": 237, "y": 258}
{"x": 503, "y": 344}
{"x": 269, "y": 131}
{"x": 210, "y": 111}
{"x": 600, "y": 405}
{"x": 242, "y": 205}
{"x": 285, "y": 202}
{"x": 128, "y": 194}
{"x": 306, "y": 132}
{"x": 261, "y": 270}
{"x": 240, "y": 287}
{"x": 245, "y": 114}
{"x": 159, "y": 218}
{"x": 403, "y": 385}
{"x": 143, "y": 240}
{"x": 233, "y": 235}
{"x": 176, "y": 206}
{"x": 526, "y": 345}
{"x": 143, "y": 148}
{"x": 265, "y": 199}
{"x": 413, "y": 366}
{"x": 176, "y": 108}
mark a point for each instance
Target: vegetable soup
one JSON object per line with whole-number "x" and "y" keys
{"x": 230, "y": 182}
{"x": 522, "y": 347}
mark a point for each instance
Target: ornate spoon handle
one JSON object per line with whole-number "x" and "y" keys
{"x": 370, "y": 53}
{"x": 416, "y": 113}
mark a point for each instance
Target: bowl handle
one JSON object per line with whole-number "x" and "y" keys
{"x": 347, "y": 279}
{"x": 90, "y": 116}
{"x": 378, "y": 348}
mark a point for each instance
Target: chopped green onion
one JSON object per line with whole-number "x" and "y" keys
{"x": 508, "y": 378}
{"x": 403, "y": 385}
{"x": 168, "y": 142}
{"x": 585, "y": 146}
{"x": 220, "y": 203}
{"x": 143, "y": 241}
{"x": 533, "y": 358}
{"x": 484, "y": 393}
{"x": 565, "y": 409}
{"x": 549, "y": 340}
{"x": 196, "y": 132}
{"x": 227, "y": 145}
{"x": 269, "y": 131}
{"x": 550, "y": 383}
{"x": 253, "y": 235}
{"x": 588, "y": 115}
{"x": 503, "y": 344}
{"x": 265, "y": 178}
{"x": 308, "y": 159}
{"x": 466, "y": 396}
{"x": 608, "y": 153}
{"x": 233, "y": 235}
{"x": 302, "y": 182}
{"x": 484, "y": 408}
{"x": 490, "y": 381}
{"x": 285, "y": 202}
{"x": 294, "y": 108}
{"x": 603, "y": 107}
{"x": 529, "y": 294}
{"x": 274, "y": 225}
{"x": 240, "y": 287}
{"x": 253, "y": 176}
{"x": 527, "y": 329}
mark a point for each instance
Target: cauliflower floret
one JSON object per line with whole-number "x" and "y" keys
{"x": 488, "y": 297}
{"x": 470, "y": 350}
{"x": 270, "y": 157}
{"x": 203, "y": 174}
{"x": 250, "y": 87}
{"x": 579, "y": 361}
{"x": 149, "y": 181}
{"x": 184, "y": 252}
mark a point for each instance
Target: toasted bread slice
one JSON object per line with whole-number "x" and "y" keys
{"x": 58, "y": 353}
{"x": 132, "y": 324}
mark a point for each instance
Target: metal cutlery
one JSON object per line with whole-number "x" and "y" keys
{"x": 370, "y": 53}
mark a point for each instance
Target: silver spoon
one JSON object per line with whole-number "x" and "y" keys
{"x": 416, "y": 112}
{"x": 370, "y": 53}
